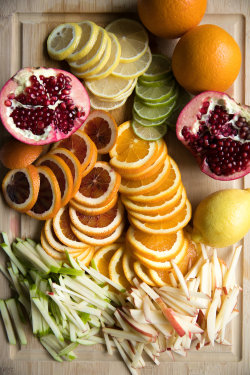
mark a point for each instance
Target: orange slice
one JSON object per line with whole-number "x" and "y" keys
{"x": 99, "y": 187}
{"x": 99, "y": 226}
{"x": 172, "y": 225}
{"x": 21, "y": 187}
{"x": 165, "y": 190}
{"x": 63, "y": 231}
{"x": 130, "y": 153}
{"x": 74, "y": 165}
{"x": 50, "y": 250}
{"x": 93, "y": 241}
{"x": 62, "y": 173}
{"x": 91, "y": 163}
{"x": 128, "y": 267}
{"x": 101, "y": 127}
{"x": 93, "y": 211}
{"x": 159, "y": 248}
{"x": 145, "y": 185}
{"x": 116, "y": 273}
{"x": 102, "y": 258}
{"x": 142, "y": 272}
{"x": 49, "y": 197}
{"x": 166, "y": 215}
{"x": 85, "y": 258}
{"x": 15, "y": 154}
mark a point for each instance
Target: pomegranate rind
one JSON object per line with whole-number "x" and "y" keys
{"x": 78, "y": 94}
{"x": 188, "y": 118}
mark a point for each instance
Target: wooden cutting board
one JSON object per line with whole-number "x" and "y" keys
{"x": 24, "y": 27}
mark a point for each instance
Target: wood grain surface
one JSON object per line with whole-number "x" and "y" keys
{"x": 24, "y": 27}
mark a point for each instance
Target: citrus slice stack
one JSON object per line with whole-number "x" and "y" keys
{"x": 116, "y": 273}
{"x": 103, "y": 256}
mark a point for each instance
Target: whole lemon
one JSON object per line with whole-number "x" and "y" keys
{"x": 222, "y": 218}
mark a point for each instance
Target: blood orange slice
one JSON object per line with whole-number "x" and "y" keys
{"x": 21, "y": 187}
{"x": 93, "y": 211}
{"x": 91, "y": 163}
{"x": 102, "y": 258}
{"x": 49, "y": 197}
{"x": 101, "y": 127}
{"x": 99, "y": 187}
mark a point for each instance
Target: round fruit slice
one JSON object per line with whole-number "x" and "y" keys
{"x": 21, "y": 187}
{"x": 102, "y": 258}
{"x": 62, "y": 229}
{"x": 50, "y": 250}
{"x": 116, "y": 273}
{"x": 128, "y": 267}
{"x": 74, "y": 165}
{"x": 98, "y": 187}
{"x": 15, "y": 154}
{"x": 101, "y": 127}
{"x": 172, "y": 225}
{"x": 155, "y": 94}
{"x": 99, "y": 226}
{"x": 159, "y": 67}
{"x": 49, "y": 197}
{"x": 149, "y": 133}
{"x": 157, "y": 83}
{"x": 62, "y": 173}
{"x": 142, "y": 272}
{"x": 63, "y": 40}
{"x": 154, "y": 113}
{"x": 123, "y": 95}
{"x": 144, "y": 122}
{"x": 85, "y": 258}
{"x": 158, "y": 248}
{"x": 133, "y": 69}
{"x": 99, "y": 104}
{"x": 93, "y": 211}
{"x": 132, "y": 37}
{"x": 110, "y": 87}
{"x": 88, "y": 38}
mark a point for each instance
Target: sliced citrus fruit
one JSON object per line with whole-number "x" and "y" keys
{"x": 93, "y": 211}
{"x": 93, "y": 241}
{"x": 123, "y": 95}
{"x": 91, "y": 164}
{"x": 98, "y": 187}
{"x": 116, "y": 273}
{"x": 110, "y": 87}
{"x": 73, "y": 163}
{"x": 50, "y": 250}
{"x": 159, "y": 248}
{"x": 63, "y": 40}
{"x": 15, "y": 154}
{"x": 101, "y": 127}
{"x": 85, "y": 258}
{"x": 144, "y": 122}
{"x": 149, "y": 133}
{"x": 154, "y": 113}
{"x": 63, "y": 231}
{"x": 62, "y": 173}
{"x": 49, "y": 197}
{"x": 133, "y": 69}
{"x": 128, "y": 267}
{"x": 99, "y": 225}
{"x": 102, "y": 258}
{"x": 132, "y": 37}
{"x": 172, "y": 225}
{"x": 165, "y": 190}
{"x": 159, "y": 67}
{"x": 88, "y": 38}
{"x": 155, "y": 94}
{"x": 156, "y": 83}
{"x": 142, "y": 272}
{"x": 21, "y": 188}
{"x": 98, "y": 103}
{"x": 94, "y": 55}
{"x": 145, "y": 185}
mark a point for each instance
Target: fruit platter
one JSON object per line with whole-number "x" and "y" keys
{"x": 125, "y": 187}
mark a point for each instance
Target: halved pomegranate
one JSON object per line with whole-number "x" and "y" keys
{"x": 217, "y": 131}
{"x": 43, "y": 105}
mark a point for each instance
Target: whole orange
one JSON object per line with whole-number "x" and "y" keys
{"x": 171, "y": 18}
{"x": 15, "y": 154}
{"x": 206, "y": 58}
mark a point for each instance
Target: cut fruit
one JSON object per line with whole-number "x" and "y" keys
{"x": 88, "y": 38}
{"x": 116, "y": 273}
{"x": 123, "y": 95}
{"x": 110, "y": 87}
{"x": 149, "y": 133}
{"x": 132, "y": 37}
{"x": 62, "y": 173}
{"x": 156, "y": 112}
{"x": 21, "y": 188}
{"x": 155, "y": 94}
{"x": 165, "y": 226}
{"x": 99, "y": 104}
{"x": 98, "y": 226}
{"x": 128, "y": 267}
{"x": 62, "y": 229}
{"x": 159, "y": 248}
{"x": 74, "y": 165}
{"x": 159, "y": 67}
{"x": 133, "y": 69}
{"x": 157, "y": 83}
{"x": 102, "y": 258}
{"x": 144, "y": 122}
{"x": 86, "y": 259}
{"x": 15, "y": 154}
{"x": 49, "y": 197}
{"x": 91, "y": 164}
{"x": 101, "y": 127}
{"x": 63, "y": 40}
{"x": 142, "y": 272}
{"x": 93, "y": 211}
{"x": 50, "y": 250}
{"x": 99, "y": 187}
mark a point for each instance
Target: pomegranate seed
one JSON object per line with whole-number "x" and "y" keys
{"x": 7, "y": 103}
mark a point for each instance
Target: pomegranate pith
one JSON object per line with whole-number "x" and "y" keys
{"x": 217, "y": 131}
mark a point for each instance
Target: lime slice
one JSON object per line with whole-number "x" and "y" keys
{"x": 144, "y": 122}
{"x": 159, "y": 67}
{"x": 157, "y": 83}
{"x": 152, "y": 113}
{"x": 172, "y": 98}
{"x": 149, "y": 133}
{"x": 155, "y": 94}
{"x": 183, "y": 98}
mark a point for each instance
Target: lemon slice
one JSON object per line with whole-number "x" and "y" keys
{"x": 124, "y": 95}
{"x": 112, "y": 62}
{"x": 88, "y": 38}
{"x": 94, "y": 54}
{"x": 135, "y": 68}
{"x": 109, "y": 87}
{"x": 98, "y": 103}
{"x": 63, "y": 40}
{"x": 159, "y": 68}
{"x": 132, "y": 36}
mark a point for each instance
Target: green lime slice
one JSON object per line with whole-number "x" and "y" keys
{"x": 144, "y": 122}
{"x": 172, "y": 98}
{"x": 152, "y": 113}
{"x": 160, "y": 65}
{"x": 156, "y": 83}
{"x": 155, "y": 94}
{"x": 183, "y": 98}
{"x": 149, "y": 133}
